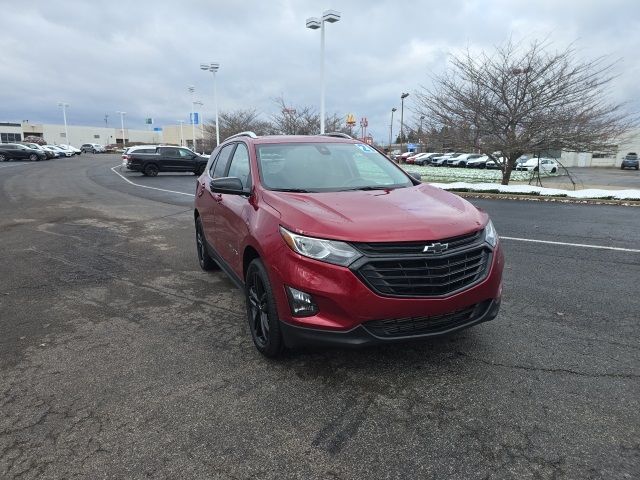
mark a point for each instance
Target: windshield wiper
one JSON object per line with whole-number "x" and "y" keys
{"x": 368, "y": 188}
{"x": 295, "y": 190}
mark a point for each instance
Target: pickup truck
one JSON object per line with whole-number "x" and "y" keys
{"x": 165, "y": 159}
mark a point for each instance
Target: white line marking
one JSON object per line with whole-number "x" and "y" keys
{"x": 145, "y": 186}
{"x": 601, "y": 247}
{"x": 15, "y": 165}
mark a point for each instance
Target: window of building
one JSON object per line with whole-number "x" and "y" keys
{"x": 96, "y": 136}
{"x": 10, "y": 137}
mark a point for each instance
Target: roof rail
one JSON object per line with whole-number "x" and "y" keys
{"x": 337, "y": 135}
{"x": 242, "y": 134}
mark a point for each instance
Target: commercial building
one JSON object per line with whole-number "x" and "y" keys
{"x": 56, "y": 134}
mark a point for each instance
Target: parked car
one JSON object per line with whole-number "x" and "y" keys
{"x": 461, "y": 160}
{"x": 629, "y": 161}
{"x": 425, "y": 158}
{"x": 166, "y": 159}
{"x": 547, "y": 165}
{"x": 51, "y": 151}
{"x": 74, "y": 150}
{"x": 480, "y": 162}
{"x": 92, "y": 148}
{"x": 402, "y": 158}
{"x": 62, "y": 151}
{"x": 37, "y": 146}
{"x": 334, "y": 244}
{"x": 138, "y": 149}
{"x": 17, "y": 151}
{"x": 441, "y": 161}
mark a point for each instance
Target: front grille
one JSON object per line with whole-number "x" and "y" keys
{"x": 414, "y": 248}
{"x": 428, "y": 275}
{"x": 416, "y": 326}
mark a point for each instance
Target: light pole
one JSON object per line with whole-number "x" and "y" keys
{"x": 213, "y": 68}
{"x": 402, "y": 97}
{"x": 201, "y": 121}
{"x": 64, "y": 117}
{"x": 314, "y": 23}
{"x": 181, "y": 122}
{"x": 192, "y": 91}
{"x": 391, "y": 128}
{"x": 420, "y": 133}
{"x": 122, "y": 114}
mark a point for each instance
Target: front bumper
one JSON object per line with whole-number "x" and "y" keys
{"x": 364, "y": 335}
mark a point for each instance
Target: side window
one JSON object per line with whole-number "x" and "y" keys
{"x": 184, "y": 153}
{"x": 240, "y": 166}
{"x": 170, "y": 152}
{"x": 222, "y": 161}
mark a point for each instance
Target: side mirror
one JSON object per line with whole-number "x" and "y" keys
{"x": 415, "y": 175}
{"x": 229, "y": 185}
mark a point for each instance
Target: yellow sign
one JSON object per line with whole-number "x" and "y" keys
{"x": 351, "y": 119}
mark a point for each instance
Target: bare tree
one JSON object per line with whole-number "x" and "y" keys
{"x": 524, "y": 99}
{"x": 303, "y": 120}
{"x": 236, "y": 121}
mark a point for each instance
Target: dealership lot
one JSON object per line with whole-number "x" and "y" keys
{"x": 120, "y": 358}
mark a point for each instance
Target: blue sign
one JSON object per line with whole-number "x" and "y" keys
{"x": 194, "y": 118}
{"x": 157, "y": 129}
{"x": 411, "y": 147}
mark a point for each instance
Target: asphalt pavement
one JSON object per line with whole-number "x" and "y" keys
{"x": 120, "y": 358}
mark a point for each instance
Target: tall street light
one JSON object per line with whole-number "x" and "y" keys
{"x": 201, "y": 121}
{"x": 192, "y": 91}
{"x": 420, "y": 133}
{"x": 122, "y": 114}
{"x": 64, "y": 117}
{"x": 181, "y": 122}
{"x": 394, "y": 109}
{"x": 330, "y": 16}
{"x": 213, "y": 68}
{"x": 402, "y": 97}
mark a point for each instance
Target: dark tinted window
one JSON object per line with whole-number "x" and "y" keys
{"x": 240, "y": 166}
{"x": 185, "y": 153}
{"x": 173, "y": 152}
{"x": 222, "y": 161}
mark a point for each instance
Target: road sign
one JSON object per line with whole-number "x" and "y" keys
{"x": 194, "y": 118}
{"x": 411, "y": 147}
{"x": 157, "y": 129}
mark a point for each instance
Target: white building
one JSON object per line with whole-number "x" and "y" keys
{"x": 56, "y": 134}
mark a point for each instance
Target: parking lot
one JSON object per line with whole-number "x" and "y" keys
{"x": 120, "y": 358}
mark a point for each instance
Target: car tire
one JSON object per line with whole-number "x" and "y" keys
{"x": 151, "y": 170}
{"x": 535, "y": 169}
{"x": 204, "y": 259}
{"x": 33, "y": 157}
{"x": 3, "y": 157}
{"x": 262, "y": 315}
{"x": 554, "y": 170}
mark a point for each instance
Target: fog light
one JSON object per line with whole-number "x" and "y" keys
{"x": 301, "y": 303}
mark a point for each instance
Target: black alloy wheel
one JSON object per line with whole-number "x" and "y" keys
{"x": 262, "y": 315}
{"x": 151, "y": 170}
{"x": 204, "y": 259}
{"x": 3, "y": 157}
{"x": 33, "y": 157}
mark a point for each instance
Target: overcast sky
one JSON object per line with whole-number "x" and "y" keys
{"x": 140, "y": 56}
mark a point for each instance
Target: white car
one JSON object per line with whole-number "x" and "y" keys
{"x": 61, "y": 151}
{"x": 547, "y": 165}
{"x": 480, "y": 162}
{"x": 76, "y": 151}
{"x": 461, "y": 160}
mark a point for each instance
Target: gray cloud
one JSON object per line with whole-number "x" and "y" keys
{"x": 140, "y": 56}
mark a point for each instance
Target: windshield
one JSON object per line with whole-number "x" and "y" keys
{"x": 327, "y": 167}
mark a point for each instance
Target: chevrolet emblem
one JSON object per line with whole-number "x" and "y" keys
{"x": 435, "y": 248}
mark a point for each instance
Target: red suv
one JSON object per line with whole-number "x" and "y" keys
{"x": 334, "y": 244}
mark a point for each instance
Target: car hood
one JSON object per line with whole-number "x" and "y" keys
{"x": 417, "y": 213}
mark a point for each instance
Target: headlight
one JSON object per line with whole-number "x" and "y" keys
{"x": 490, "y": 234}
{"x": 331, "y": 251}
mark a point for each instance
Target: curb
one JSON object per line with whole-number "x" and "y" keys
{"x": 544, "y": 198}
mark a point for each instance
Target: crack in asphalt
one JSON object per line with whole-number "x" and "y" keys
{"x": 551, "y": 370}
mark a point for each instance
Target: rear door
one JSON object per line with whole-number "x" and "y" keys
{"x": 169, "y": 159}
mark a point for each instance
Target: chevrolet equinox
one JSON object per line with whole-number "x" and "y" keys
{"x": 335, "y": 244}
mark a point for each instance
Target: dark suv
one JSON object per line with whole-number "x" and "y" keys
{"x": 335, "y": 244}
{"x": 17, "y": 151}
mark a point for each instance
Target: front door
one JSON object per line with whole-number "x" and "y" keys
{"x": 232, "y": 215}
